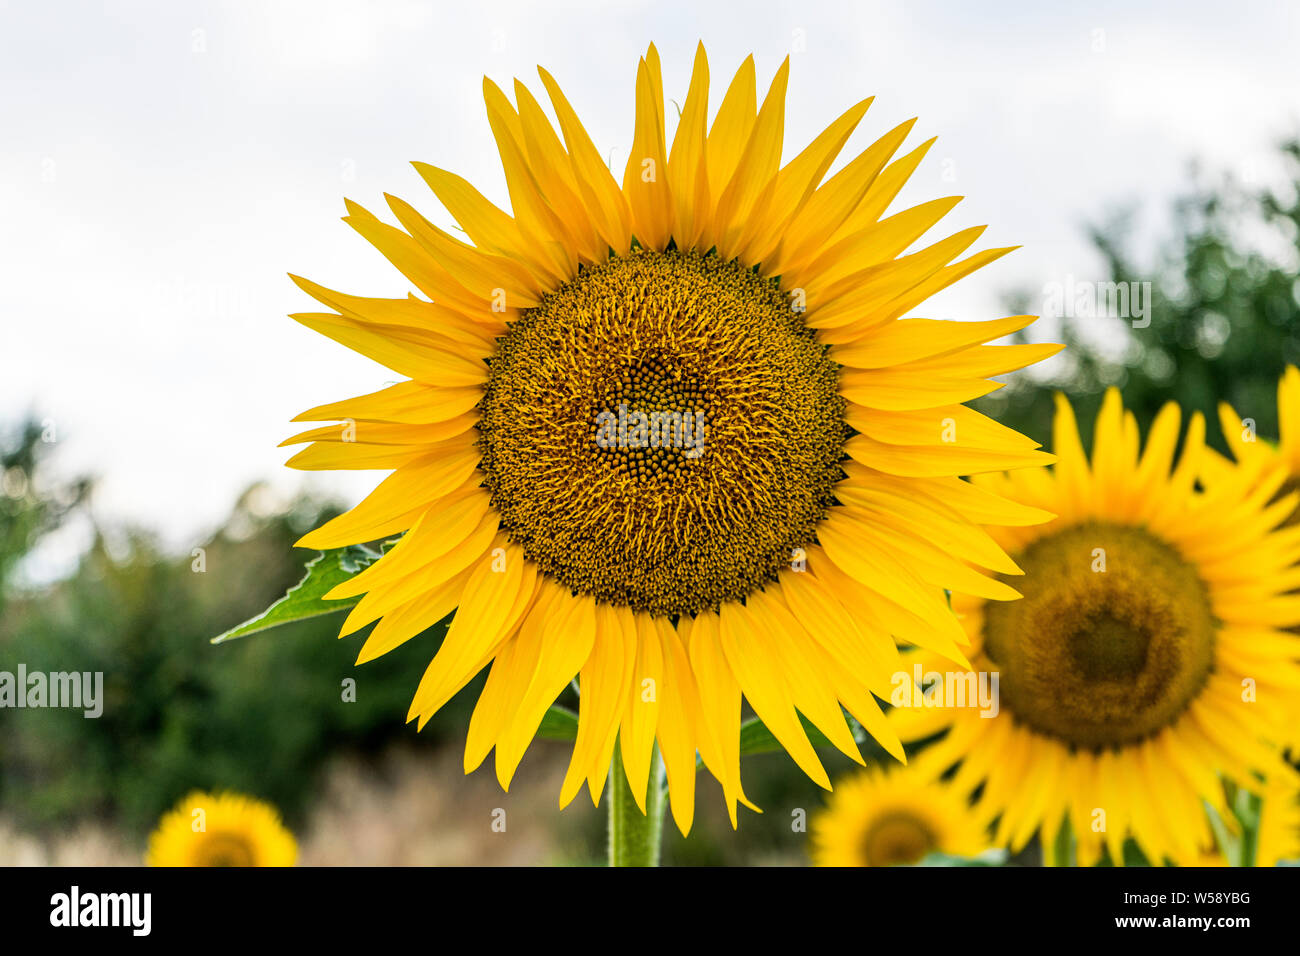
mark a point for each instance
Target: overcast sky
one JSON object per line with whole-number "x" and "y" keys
{"x": 164, "y": 164}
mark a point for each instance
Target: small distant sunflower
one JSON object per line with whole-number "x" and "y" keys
{"x": 894, "y": 817}
{"x": 674, "y": 436}
{"x": 222, "y": 829}
{"x": 1146, "y": 656}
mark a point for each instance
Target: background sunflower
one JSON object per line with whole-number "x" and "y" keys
{"x": 222, "y": 829}
{"x": 894, "y": 817}
{"x": 1147, "y": 655}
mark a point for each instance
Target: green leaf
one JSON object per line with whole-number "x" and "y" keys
{"x": 1246, "y": 807}
{"x": 1133, "y": 855}
{"x": 1229, "y": 843}
{"x": 559, "y": 723}
{"x": 306, "y": 598}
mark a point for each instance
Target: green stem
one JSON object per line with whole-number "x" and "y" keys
{"x": 1227, "y": 844}
{"x": 634, "y": 837}
{"x": 1249, "y": 831}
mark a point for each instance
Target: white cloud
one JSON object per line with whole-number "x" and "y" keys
{"x": 157, "y": 184}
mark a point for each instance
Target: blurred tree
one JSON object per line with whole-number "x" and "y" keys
{"x": 260, "y": 715}
{"x": 1225, "y": 315}
{"x": 29, "y": 510}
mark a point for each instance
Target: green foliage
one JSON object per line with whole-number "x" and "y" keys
{"x": 1225, "y": 316}
{"x": 260, "y": 716}
{"x": 306, "y": 599}
{"x": 755, "y": 738}
{"x": 558, "y": 723}
{"x": 29, "y": 509}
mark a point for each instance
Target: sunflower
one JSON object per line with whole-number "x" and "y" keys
{"x": 1278, "y": 837}
{"x": 675, "y": 437}
{"x": 1146, "y": 655}
{"x": 223, "y": 829}
{"x": 1247, "y": 448}
{"x": 894, "y": 817}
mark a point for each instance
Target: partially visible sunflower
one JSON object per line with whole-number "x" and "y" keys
{"x": 674, "y": 436}
{"x": 1278, "y": 837}
{"x": 1248, "y": 447}
{"x": 1146, "y": 657}
{"x": 1251, "y": 450}
{"x": 221, "y": 829}
{"x": 894, "y": 817}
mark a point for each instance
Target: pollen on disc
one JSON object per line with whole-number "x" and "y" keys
{"x": 662, "y": 432}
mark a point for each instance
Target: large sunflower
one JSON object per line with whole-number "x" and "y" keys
{"x": 222, "y": 829}
{"x": 675, "y": 437}
{"x": 894, "y": 817}
{"x": 1146, "y": 655}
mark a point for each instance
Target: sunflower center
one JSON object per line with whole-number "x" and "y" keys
{"x": 1113, "y": 639}
{"x": 897, "y": 838}
{"x": 662, "y": 432}
{"x": 224, "y": 849}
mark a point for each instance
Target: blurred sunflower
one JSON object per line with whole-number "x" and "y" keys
{"x": 894, "y": 817}
{"x": 1146, "y": 655}
{"x": 224, "y": 829}
{"x": 673, "y": 436}
{"x": 1278, "y": 838}
{"x": 1265, "y": 457}
{"x": 1246, "y": 445}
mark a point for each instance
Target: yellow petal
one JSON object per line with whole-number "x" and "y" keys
{"x": 732, "y": 126}
{"x": 598, "y": 186}
{"x": 641, "y": 709}
{"x": 566, "y": 641}
{"x": 754, "y": 662}
{"x": 719, "y": 738}
{"x": 425, "y": 356}
{"x": 688, "y": 170}
{"x": 604, "y": 679}
{"x": 407, "y": 403}
{"x": 490, "y": 607}
{"x": 645, "y": 180}
{"x": 512, "y": 671}
{"x": 386, "y": 510}
{"x": 756, "y": 168}
{"x": 676, "y": 726}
